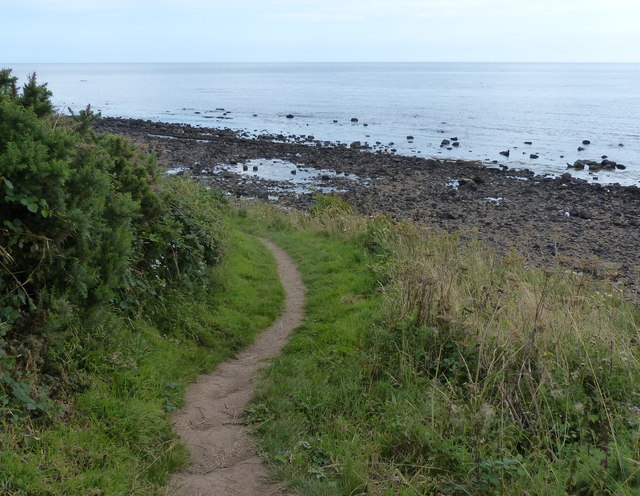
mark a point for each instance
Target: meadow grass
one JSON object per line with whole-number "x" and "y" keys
{"x": 114, "y": 435}
{"x": 428, "y": 365}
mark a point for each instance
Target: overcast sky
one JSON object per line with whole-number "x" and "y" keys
{"x": 319, "y": 30}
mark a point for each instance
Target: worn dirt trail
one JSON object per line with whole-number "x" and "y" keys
{"x": 223, "y": 459}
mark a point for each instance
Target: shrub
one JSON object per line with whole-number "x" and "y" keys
{"x": 86, "y": 224}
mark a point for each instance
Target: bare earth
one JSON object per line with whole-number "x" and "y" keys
{"x": 223, "y": 459}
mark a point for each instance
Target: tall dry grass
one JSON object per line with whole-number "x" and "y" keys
{"x": 486, "y": 376}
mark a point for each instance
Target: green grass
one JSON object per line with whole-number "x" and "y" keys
{"x": 114, "y": 437}
{"x": 428, "y": 366}
{"x": 425, "y": 366}
{"x": 299, "y": 406}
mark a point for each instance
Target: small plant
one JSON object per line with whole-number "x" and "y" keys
{"x": 85, "y": 119}
{"x": 329, "y": 205}
{"x": 8, "y": 87}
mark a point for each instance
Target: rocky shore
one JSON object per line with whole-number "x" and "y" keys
{"x": 589, "y": 227}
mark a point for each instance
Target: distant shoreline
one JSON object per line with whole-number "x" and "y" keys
{"x": 587, "y": 226}
{"x": 490, "y": 107}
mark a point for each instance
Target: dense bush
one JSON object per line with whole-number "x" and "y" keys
{"x": 86, "y": 224}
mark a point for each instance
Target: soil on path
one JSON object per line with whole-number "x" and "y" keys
{"x": 223, "y": 459}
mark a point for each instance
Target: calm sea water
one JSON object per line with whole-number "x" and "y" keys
{"x": 489, "y": 107}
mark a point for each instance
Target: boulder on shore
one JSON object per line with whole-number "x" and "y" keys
{"x": 595, "y": 166}
{"x": 467, "y": 184}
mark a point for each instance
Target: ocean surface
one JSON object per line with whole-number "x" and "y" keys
{"x": 489, "y": 107}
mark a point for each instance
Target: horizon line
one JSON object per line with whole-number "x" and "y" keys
{"x": 330, "y": 62}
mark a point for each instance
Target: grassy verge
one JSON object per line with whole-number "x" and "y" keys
{"x": 431, "y": 366}
{"x": 115, "y": 437}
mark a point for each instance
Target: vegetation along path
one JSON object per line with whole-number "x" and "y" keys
{"x": 223, "y": 455}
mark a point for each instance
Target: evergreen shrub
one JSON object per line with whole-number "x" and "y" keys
{"x": 87, "y": 224}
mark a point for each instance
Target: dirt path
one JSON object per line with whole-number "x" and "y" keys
{"x": 223, "y": 460}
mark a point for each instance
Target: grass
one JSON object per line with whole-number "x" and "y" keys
{"x": 431, "y": 366}
{"x": 426, "y": 366}
{"x": 115, "y": 437}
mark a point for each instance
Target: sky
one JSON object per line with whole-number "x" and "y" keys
{"x": 36, "y": 31}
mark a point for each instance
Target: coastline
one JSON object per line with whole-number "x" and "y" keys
{"x": 588, "y": 227}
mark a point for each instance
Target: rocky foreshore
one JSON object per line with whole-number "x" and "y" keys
{"x": 547, "y": 220}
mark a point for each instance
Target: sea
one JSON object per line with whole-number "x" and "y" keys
{"x": 489, "y": 107}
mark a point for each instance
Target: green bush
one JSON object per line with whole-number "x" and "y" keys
{"x": 86, "y": 224}
{"x": 34, "y": 96}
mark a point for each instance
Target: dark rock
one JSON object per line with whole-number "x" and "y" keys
{"x": 604, "y": 157}
{"x": 365, "y": 124}
{"x": 355, "y": 145}
{"x": 608, "y": 164}
{"x": 455, "y": 143}
{"x": 294, "y": 172}
{"x": 580, "y": 149}
{"x": 620, "y": 145}
{"x": 505, "y": 153}
{"x": 467, "y": 184}
{"x": 289, "y": 116}
{"x": 245, "y": 167}
{"x": 528, "y": 142}
{"x": 335, "y": 120}
{"x": 409, "y": 137}
{"x": 255, "y": 168}
{"x": 445, "y": 142}
{"x": 454, "y": 139}
{"x": 325, "y": 177}
{"x": 566, "y": 176}
{"x": 621, "y": 167}
{"x": 534, "y": 155}
{"x": 586, "y": 142}
{"x": 354, "y": 119}
{"x": 580, "y": 214}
